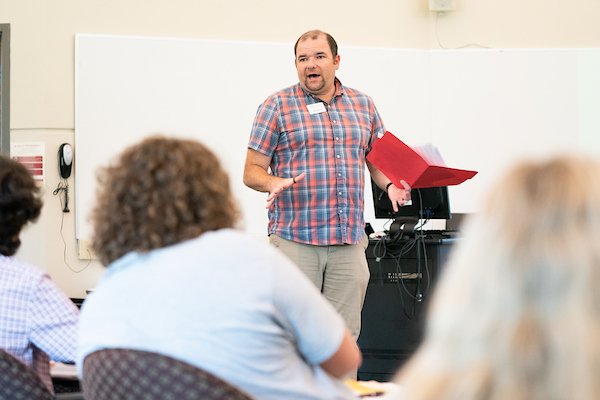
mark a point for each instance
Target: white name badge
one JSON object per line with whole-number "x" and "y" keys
{"x": 316, "y": 108}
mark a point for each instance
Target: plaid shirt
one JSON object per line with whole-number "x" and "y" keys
{"x": 327, "y": 207}
{"x": 37, "y": 321}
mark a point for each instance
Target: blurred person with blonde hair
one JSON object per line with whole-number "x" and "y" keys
{"x": 516, "y": 314}
{"x": 181, "y": 281}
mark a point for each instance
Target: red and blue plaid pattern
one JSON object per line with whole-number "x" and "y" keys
{"x": 327, "y": 207}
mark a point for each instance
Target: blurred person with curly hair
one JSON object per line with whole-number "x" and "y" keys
{"x": 516, "y": 314}
{"x": 182, "y": 281}
{"x": 38, "y": 322}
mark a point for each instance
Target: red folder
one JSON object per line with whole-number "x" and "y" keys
{"x": 399, "y": 162}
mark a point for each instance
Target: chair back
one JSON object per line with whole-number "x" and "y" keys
{"x": 18, "y": 381}
{"x": 119, "y": 374}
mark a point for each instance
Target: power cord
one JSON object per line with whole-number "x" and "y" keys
{"x": 455, "y": 48}
{"x": 395, "y": 250}
{"x": 63, "y": 187}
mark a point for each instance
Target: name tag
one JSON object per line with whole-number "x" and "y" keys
{"x": 316, "y": 108}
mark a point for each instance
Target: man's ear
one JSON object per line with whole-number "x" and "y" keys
{"x": 336, "y": 61}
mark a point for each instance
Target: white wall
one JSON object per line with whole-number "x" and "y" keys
{"x": 42, "y": 61}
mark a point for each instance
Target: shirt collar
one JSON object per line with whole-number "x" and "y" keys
{"x": 339, "y": 90}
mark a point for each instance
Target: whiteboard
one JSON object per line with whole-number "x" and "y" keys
{"x": 467, "y": 103}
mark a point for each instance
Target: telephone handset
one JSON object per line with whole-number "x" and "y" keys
{"x": 65, "y": 160}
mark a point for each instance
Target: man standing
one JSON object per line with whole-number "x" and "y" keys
{"x": 314, "y": 136}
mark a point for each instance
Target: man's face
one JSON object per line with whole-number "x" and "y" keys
{"x": 316, "y": 67}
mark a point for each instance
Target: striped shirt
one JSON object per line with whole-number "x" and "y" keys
{"x": 38, "y": 322}
{"x": 328, "y": 141}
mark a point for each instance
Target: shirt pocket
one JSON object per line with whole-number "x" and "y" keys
{"x": 294, "y": 132}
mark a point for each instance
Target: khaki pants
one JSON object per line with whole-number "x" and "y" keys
{"x": 340, "y": 272}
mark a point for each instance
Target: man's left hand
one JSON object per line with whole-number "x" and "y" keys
{"x": 399, "y": 196}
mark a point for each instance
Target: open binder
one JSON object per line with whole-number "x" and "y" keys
{"x": 399, "y": 161}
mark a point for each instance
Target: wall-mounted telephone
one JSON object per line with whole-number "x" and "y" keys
{"x": 65, "y": 160}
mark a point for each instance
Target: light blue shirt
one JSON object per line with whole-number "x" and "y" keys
{"x": 227, "y": 303}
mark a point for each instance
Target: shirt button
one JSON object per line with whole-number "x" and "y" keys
{"x": 338, "y": 156}
{"x": 340, "y": 193}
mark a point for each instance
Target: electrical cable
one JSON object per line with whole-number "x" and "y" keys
{"x": 437, "y": 36}
{"x": 63, "y": 187}
{"x": 395, "y": 247}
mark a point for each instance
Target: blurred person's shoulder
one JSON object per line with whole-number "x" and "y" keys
{"x": 13, "y": 267}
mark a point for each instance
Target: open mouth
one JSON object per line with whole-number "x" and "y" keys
{"x": 313, "y": 76}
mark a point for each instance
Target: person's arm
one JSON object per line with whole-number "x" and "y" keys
{"x": 257, "y": 177}
{"x": 347, "y": 358}
{"x": 316, "y": 329}
{"x": 54, "y": 322}
{"x": 397, "y": 195}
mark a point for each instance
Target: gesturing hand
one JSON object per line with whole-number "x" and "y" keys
{"x": 281, "y": 185}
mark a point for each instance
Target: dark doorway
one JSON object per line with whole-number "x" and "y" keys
{"x": 4, "y": 89}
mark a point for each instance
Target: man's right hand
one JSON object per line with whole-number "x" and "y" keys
{"x": 281, "y": 184}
